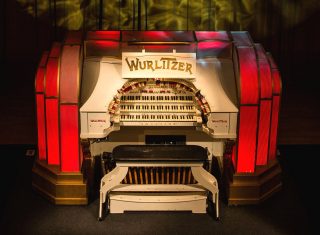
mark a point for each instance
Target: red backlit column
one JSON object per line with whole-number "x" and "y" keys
{"x": 276, "y": 93}
{"x": 265, "y": 106}
{"x": 40, "y": 107}
{"x": 69, "y": 114}
{"x": 247, "y": 138}
{"x": 51, "y": 104}
{"x": 248, "y": 88}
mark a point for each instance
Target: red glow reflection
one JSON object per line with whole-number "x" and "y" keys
{"x": 103, "y": 35}
{"x": 212, "y": 45}
{"x": 211, "y": 35}
{"x": 105, "y": 44}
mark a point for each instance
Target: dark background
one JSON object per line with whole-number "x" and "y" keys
{"x": 289, "y": 29}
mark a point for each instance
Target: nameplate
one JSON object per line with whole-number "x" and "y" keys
{"x": 158, "y": 65}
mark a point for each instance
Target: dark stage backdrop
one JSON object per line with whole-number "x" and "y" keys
{"x": 289, "y": 29}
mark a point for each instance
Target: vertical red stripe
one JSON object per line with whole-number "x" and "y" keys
{"x": 265, "y": 80}
{"x": 263, "y": 134}
{"x": 69, "y": 138}
{"x": 249, "y": 85}
{"x": 40, "y": 80}
{"x": 69, "y": 74}
{"x": 41, "y": 127}
{"x": 52, "y": 131}
{"x": 247, "y": 139}
{"x": 274, "y": 127}
{"x": 52, "y": 79}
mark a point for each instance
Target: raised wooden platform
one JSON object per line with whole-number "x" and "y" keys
{"x": 59, "y": 188}
{"x": 253, "y": 188}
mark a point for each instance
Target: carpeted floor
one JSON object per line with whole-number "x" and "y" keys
{"x": 23, "y": 211}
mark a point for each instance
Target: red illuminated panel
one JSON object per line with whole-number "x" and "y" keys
{"x": 247, "y": 139}
{"x": 52, "y": 78}
{"x": 212, "y": 35}
{"x": 40, "y": 80}
{"x": 69, "y": 74}
{"x": 103, "y": 35}
{"x": 212, "y": 45}
{"x": 69, "y": 138}
{"x": 41, "y": 127}
{"x": 265, "y": 80}
{"x": 265, "y": 106}
{"x": 274, "y": 127}
{"x": 52, "y": 131}
{"x": 249, "y": 87}
{"x": 263, "y": 134}
{"x": 276, "y": 81}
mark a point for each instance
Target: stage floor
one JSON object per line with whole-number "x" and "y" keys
{"x": 289, "y": 211}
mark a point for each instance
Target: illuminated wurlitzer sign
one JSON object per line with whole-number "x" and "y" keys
{"x": 163, "y": 65}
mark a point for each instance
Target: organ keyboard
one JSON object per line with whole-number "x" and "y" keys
{"x": 156, "y": 103}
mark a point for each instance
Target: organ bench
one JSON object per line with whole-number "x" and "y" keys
{"x": 165, "y": 180}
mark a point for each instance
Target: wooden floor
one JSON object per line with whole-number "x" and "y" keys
{"x": 299, "y": 116}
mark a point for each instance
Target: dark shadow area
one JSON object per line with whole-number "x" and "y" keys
{"x": 287, "y": 212}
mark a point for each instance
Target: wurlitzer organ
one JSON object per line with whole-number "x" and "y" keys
{"x": 173, "y": 117}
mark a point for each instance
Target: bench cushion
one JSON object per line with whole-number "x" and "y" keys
{"x": 177, "y": 153}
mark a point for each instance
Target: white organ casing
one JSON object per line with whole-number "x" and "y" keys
{"x": 214, "y": 78}
{"x": 96, "y": 106}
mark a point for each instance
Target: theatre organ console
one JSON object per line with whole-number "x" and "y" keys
{"x": 173, "y": 118}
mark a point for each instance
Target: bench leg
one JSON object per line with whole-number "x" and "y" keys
{"x": 208, "y": 181}
{"x": 108, "y": 182}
